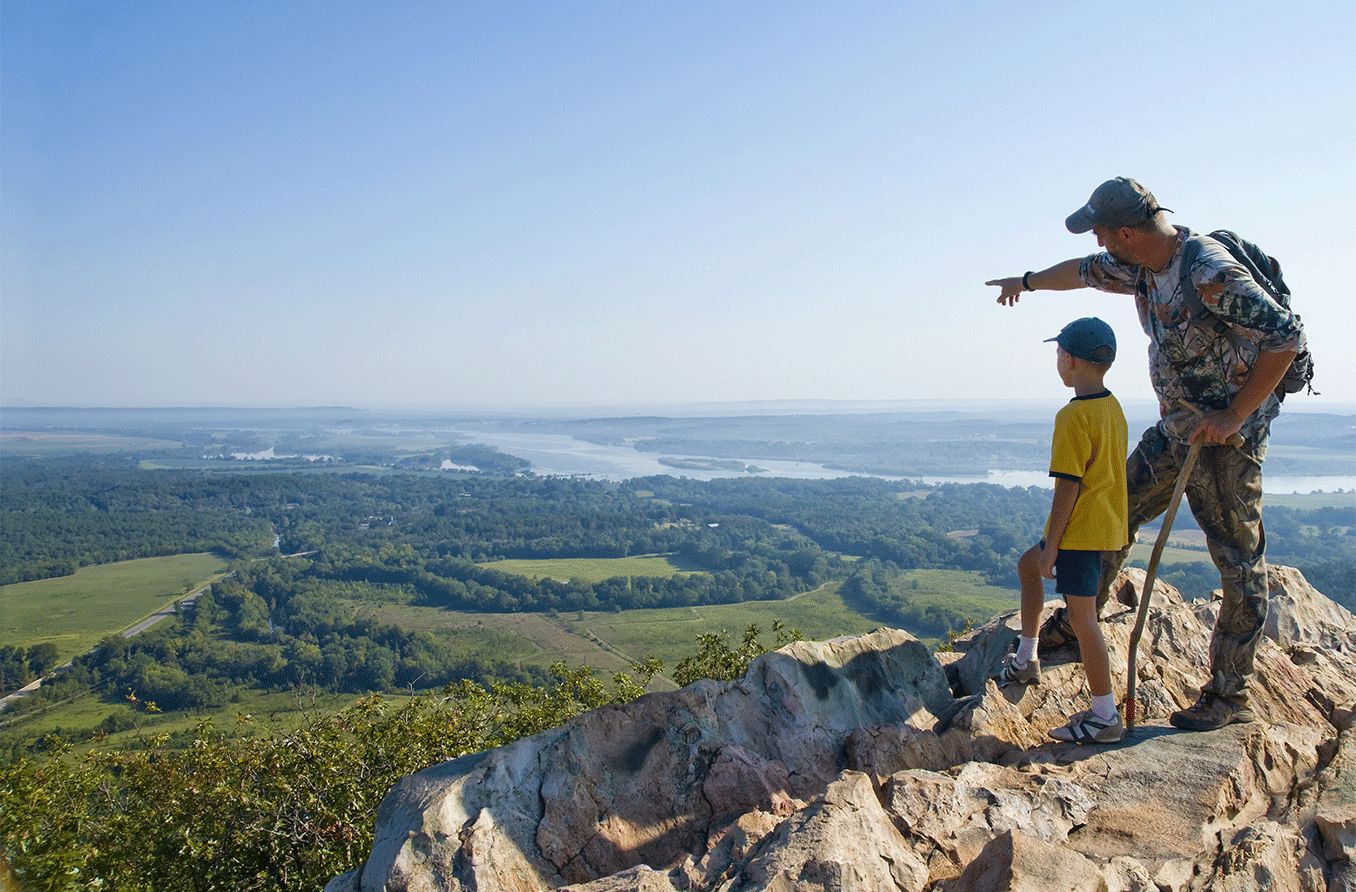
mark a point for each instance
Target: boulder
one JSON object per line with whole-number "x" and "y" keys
{"x": 841, "y": 842}
{"x": 868, "y": 763}
{"x": 1015, "y": 862}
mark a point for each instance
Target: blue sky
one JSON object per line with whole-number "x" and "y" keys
{"x": 617, "y": 204}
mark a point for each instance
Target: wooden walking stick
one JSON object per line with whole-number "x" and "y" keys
{"x": 1152, "y": 571}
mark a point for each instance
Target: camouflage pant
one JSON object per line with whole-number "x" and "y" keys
{"x": 1225, "y": 494}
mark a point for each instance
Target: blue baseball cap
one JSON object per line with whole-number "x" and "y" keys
{"x": 1088, "y": 338}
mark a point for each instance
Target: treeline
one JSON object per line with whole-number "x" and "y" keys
{"x": 274, "y": 629}
{"x": 960, "y": 527}
{"x": 57, "y": 515}
{"x": 753, "y": 538}
{"x": 882, "y": 589}
{"x": 475, "y": 455}
{"x": 738, "y": 562}
{"x": 20, "y": 665}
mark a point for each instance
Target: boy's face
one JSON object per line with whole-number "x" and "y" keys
{"x": 1064, "y": 363}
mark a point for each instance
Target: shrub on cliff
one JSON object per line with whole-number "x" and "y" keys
{"x": 275, "y": 811}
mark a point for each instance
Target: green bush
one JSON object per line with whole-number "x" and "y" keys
{"x": 275, "y": 811}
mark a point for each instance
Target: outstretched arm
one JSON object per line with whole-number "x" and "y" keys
{"x": 1060, "y": 277}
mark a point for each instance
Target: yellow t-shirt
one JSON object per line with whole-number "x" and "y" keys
{"x": 1089, "y": 446}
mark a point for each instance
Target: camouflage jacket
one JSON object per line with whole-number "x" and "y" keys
{"x": 1188, "y": 363}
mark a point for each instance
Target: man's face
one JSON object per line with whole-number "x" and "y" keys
{"x": 1114, "y": 242}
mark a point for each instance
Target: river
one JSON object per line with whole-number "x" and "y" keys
{"x": 563, "y": 455}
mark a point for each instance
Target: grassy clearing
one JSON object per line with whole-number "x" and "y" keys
{"x": 964, "y": 591}
{"x": 41, "y": 443}
{"x": 79, "y": 717}
{"x": 611, "y": 642}
{"x": 671, "y": 633}
{"x": 1309, "y": 501}
{"x": 1171, "y": 554}
{"x": 285, "y": 466}
{"x": 591, "y": 569}
{"x": 74, "y": 612}
{"x": 530, "y": 639}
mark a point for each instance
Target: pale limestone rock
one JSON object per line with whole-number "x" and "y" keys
{"x": 733, "y": 845}
{"x": 635, "y": 879}
{"x": 755, "y": 784}
{"x": 651, "y": 781}
{"x": 1334, "y": 813}
{"x": 957, "y": 814}
{"x": 1299, "y": 615}
{"x": 841, "y": 842}
{"x": 1266, "y": 857}
{"x": 1015, "y": 862}
{"x": 1125, "y": 874}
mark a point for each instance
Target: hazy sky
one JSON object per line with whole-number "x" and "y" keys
{"x": 530, "y": 204}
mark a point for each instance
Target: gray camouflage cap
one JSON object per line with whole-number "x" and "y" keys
{"x": 1115, "y": 203}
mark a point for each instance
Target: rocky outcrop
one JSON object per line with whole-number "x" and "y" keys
{"x": 869, "y": 763}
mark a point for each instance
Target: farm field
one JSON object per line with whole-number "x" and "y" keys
{"x": 671, "y": 633}
{"x": 961, "y": 590}
{"x": 1309, "y": 501}
{"x": 590, "y": 569}
{"x": 611, "y": 642}
{"x": 289, "y": 466}
{"x": 1172, "y": 554}
{"x": 45, "y": 443}
{"x": 530, "y": 639}
{"x": 74, "y": 612}
{"x": 252, "y": 709}
{"x": 606, "y": 641}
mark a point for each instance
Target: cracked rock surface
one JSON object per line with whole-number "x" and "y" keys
{"x": 871, "y": 763}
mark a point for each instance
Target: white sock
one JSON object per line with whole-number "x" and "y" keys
{"x": 1104, "y": 706}
{"x": 1026, "y": 649}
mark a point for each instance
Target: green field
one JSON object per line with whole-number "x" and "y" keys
{"x": 964, "y": 591}
{"x": 606, "y": 641}
{"x": 590, "y": 569}
{"x": 78, "y": 717}
{"x": 611, "y": 642}
{"x": 74, "y": 612}
{"x": 43, "y": 443}
{"x": 1171, "y": 554}
{"x": 227, "y": 466}
{"x": 1309, "y": 501}
{"x": 671, "y": 633}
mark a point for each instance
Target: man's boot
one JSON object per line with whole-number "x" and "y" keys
{"x": 1212, "y": 711}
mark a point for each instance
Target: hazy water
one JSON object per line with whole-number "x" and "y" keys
{"x": 561, "y": 454}
{"x": 564, "y": 455}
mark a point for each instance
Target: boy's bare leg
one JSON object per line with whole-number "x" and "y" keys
{"x": 1091, "y": 645}
{"x": 1033, "y": 591}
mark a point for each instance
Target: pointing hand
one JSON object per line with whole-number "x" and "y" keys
{"x": 1010, "y": 290}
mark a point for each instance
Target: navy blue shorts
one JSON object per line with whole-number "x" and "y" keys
{"x": 1077, "y": 573}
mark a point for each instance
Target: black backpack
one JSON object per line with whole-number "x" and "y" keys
{"x": 1266, "y": 271}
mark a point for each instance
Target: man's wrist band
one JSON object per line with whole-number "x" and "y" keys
{"x": 1026, "y": 281}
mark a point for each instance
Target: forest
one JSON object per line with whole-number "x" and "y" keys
{"x": 416, "y": 539}
{"x": 310, "y": 553}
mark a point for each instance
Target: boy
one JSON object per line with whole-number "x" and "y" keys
{"x": 1088, "y": 515}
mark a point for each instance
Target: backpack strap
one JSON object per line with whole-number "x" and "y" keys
{"x": 1200, "y": 315}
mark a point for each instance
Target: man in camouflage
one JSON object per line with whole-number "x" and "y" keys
{"x": 1214, "y": 378}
